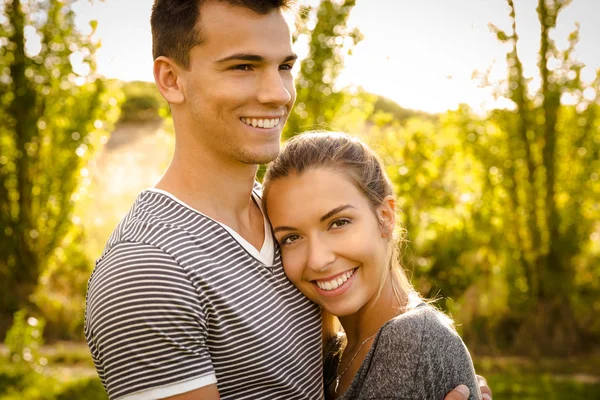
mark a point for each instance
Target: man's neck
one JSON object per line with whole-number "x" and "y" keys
{"x": 216, "y": 188}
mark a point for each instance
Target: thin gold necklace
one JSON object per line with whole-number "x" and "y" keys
{"x": 337, "y": 379}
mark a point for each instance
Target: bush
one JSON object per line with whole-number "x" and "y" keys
{"x": 23, "y": 340}
{"x": 60, "y": 294}
{"x": 89, "y": 389}
{"x": 142, "y": 102}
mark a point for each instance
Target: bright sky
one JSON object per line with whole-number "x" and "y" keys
{"x": 421, "y": 54}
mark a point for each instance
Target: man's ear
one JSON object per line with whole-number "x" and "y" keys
{"x": 386, "y": 214}
{"x": 168, "y": 80}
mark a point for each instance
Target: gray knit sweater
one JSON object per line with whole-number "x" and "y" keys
{"x": 416, "y": 355}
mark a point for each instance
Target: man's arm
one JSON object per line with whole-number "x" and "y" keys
{"x": 460, "y": 392}
{"x": 209, "y": 392}
{"x": 486, "y": 392}
{"x": 145, "y": 325}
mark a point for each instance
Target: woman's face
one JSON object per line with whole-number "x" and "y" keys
{"x": 333, "y": 246}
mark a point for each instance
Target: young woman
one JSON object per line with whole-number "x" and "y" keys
{"x": 332, "y": 209}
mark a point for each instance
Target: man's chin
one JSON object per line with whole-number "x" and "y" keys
{"x": 264, "y": 158}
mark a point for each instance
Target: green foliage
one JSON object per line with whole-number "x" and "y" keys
{"x": 397, "y": 113}
{"x": 558, "y": 379}
{"x": 89, "y": 389}
{"x": 431, "y": 179}
{"x": 142, "y": 102}
{"x": 60, "y": 293}
{"x": 54, "y": 111}
{"x": 27, "y": 387}
{"x": 540, "y": 196}
{"x": 23, "y": 341}
{"x": 30, "y": 372}
{"x": 329, "y": 39}
{"x": 47, "y": 387}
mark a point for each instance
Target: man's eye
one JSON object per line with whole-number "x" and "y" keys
{"x": 242, "y": 67}
{"x": 289, "y": 239}
{"x": 338, "y": 223}
{"x": 286, "y": 67}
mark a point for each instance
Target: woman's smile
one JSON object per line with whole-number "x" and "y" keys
{"x": 336, "y": 285}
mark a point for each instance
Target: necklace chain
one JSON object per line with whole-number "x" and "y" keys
{"x": 337, "y": 379}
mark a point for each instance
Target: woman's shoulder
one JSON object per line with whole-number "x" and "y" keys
{"x": 419, "y": 331}
{"x": 424, "y": 338}
{"x": 421, "y": 318}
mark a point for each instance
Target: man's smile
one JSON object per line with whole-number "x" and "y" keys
{"x": 266, "y": 123}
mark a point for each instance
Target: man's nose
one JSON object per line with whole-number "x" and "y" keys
{"x": 273, "y": 90}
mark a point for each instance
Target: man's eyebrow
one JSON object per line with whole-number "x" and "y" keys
{"x": 252, "y": 57}
{"x": 335, "y": 211}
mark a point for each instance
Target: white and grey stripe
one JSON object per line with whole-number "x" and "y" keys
{"x": 174, "y": 297}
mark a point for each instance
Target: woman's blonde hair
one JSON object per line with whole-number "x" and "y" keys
{"x": 348, "y": 154}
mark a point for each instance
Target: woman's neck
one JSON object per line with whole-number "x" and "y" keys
{"x": 371, "y": 317}
{"x": 360, "y": 329}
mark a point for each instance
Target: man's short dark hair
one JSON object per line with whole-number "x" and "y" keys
{"x": 173, "y": 24}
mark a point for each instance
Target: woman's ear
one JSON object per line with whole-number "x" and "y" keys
{"x": 386, "y": 214}
{"x": 168, "y": 80}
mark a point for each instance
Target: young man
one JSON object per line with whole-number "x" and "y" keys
{"x": 188, "y": 299}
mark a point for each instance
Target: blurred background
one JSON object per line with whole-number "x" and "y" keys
{"x": 486, "y": 113}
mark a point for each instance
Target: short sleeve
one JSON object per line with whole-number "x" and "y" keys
{"x": 145, "y": 325}
{"x": 445, "y": 361}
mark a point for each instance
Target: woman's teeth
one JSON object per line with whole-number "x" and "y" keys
{"x": 335, "y": 283}
{"x": 261, "y": 123}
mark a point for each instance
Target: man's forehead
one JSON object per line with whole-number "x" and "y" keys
{"x": 215, "y": 13}
{"x": 225, "y": 31}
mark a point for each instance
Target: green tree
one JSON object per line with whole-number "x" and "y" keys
{"x": 329, "y": 41}
{"x": 542, "y": 159}
{"x": 52, "y": 108}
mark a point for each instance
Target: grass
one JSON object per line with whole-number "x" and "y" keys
{"x": 70, "y": 375}
{"x": 65, "y": 371}
{"x": 549, "y": 379}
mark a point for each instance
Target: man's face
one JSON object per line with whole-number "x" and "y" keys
{"x": 239, "y": 88}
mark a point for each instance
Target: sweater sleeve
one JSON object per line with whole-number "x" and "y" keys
{"x": 444, "y": 362}
{"x": 416, "y": 355}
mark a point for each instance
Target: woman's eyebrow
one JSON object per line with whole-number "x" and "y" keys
{"x": 335, "y": 211}
{"x": 283, "y": 228}
{"x": 329, "y": 214}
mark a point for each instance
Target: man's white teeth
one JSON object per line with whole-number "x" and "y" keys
{"x": 261, "y": 123}
{"x": 335, "y": 283}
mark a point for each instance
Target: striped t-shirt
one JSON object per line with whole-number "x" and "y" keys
{"x": 178, "y": 301}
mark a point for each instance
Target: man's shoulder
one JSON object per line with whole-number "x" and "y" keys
{"x": 156, "y": 219}
{"x": 154, "y": 208}
{"x": 150, "y": 208}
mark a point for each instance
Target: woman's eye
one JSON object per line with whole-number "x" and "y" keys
{"x": 338, "y": 223}
{"x": 289, "y": 239}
